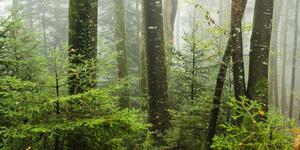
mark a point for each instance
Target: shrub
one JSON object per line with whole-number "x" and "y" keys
{"x": 259, "y": 130}
{"x": 90, "y": 120}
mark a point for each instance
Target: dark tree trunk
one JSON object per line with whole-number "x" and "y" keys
{"x": 122, "y": 62}
{"x": 82, "y": 45}
{"x": 237, "y": 50}
{"x": 237, "y": 7}
{"x": 259, "y": 53}
{"x": 292, "y": 94}
{"x": 159, "y": 116}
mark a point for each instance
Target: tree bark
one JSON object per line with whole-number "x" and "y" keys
{"x": 159, "y": 116}
{"x": 273, "y": 77}
{"x": 221, "y": 78}
{"x": 142, "y": 53}
{"x": 120, "y": 40}
{"x": 283, "y": 58}
{"x": 292, "y": 92}
{"x": 259, "y": 51}
{"x": 237, "y": 50}
{"x": 82, "y": 45}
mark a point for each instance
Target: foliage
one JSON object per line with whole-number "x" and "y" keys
{"x": 30, "y": 119}
{"x": 192, "y": 78}
{"x": 259, "y": 130}
{"x": 19, "y": 47}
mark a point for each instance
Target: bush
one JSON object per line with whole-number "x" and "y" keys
{"x": 259, "y": 130}
{"x": 90, "y": 120}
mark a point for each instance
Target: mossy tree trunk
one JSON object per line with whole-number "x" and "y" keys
{"x": 82, "y": 54}
{"x": 82, "y": 45}
{"x": 259, "y": 53}
{"x": 158, "y": 102}
{"x": 121, "y": 47}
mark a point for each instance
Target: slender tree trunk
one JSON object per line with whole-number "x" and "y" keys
{"x": 120, "y": 37}
{"x": 44, "y": 28}
{"x": 159, "y": 116}
{"x": 177, "y": 22}
{"x": 273, "y": 73}
{"x": 292, "y": 92}
{"x": 170, "y": 10}
{"x": 82, "y": 45}
{"x": 237, "y": 50}
{"x": 57, "y": 107}
{"x": 143, "y": 65}
{"x": 193, "y": 50}
{"x": 169, "y": 15}
{"x": 173, "y": 14}
{"x": 221, "y": 80}
{"x": 259, "y": 53}
{"x": 283, "y": 58}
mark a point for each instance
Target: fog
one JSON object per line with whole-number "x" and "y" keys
{"x": 182, "y": 75}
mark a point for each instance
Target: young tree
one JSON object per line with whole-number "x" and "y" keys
{"x": 259, "y": 53}
{"x": 292, "y": 92}
{"x": 237, "y": 13}
{"x": 82, "y": 45}
{"x": 158, "y": 103}
{"x": 120, "y": 40}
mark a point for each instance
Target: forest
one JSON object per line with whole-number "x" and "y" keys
{"x": 149, "y": 75}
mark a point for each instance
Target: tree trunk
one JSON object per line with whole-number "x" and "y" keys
{"x": 122, "y": 62}
{"x": 221, "y": 79}
{"x": 283, "y": 58}
{"x": 159, "y": 116}
{"x": 292, "y": 92}
{"x": 169, "y": 14}
{"x": 82, "y": 45}
{"x": 143, "y": 65}
{"x": 193, "y": 50}
{"x": 44, "y": 28}
{"x": 259, "y": 53}
{"x": 273, "y": 81}
{"x": 237, "y": 50}
{"x": 173, "y": 14}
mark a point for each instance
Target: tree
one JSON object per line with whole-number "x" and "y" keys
{"x": 273, "y": 79}
{"x": 169, "y": 15}
{"x": 142, "y": 53}
{"x": 292, "y": 92}
{"x": 283, "y": 57}
{"x": 259, "y": 53}
{"x": 82, "y": 45}
{"x": 120, "y": 38}
{"x": 158, "y": 102}
{"x": 237, "y": 50}
{"x": 170, "y": 10}
{"x": 238, "y": 8}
